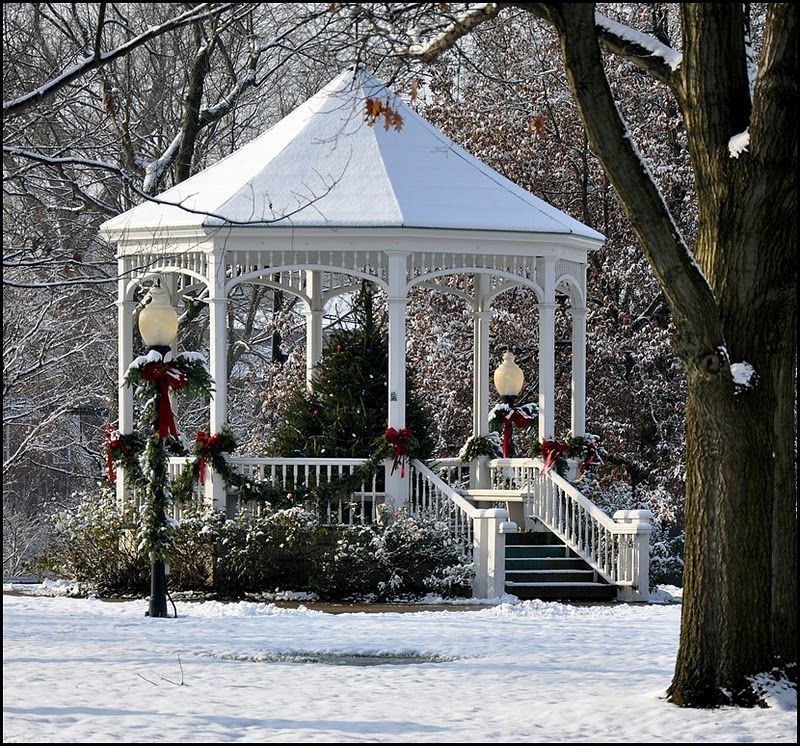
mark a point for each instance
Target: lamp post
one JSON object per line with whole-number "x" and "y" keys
{"x": 158, "y": 325}
{"x": 508, "y": 380}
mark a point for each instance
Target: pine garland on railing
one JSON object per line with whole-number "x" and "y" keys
{"x": 556, "y": 451}
{"x": 211, "y": 450}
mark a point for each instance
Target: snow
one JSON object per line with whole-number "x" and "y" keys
{"x": 742, "y": 374}
{"x": 84, "y": 670}
{"x": 739, "y": 144}
{"x": 314, "y": 167}
{"x": 656, "y": 48}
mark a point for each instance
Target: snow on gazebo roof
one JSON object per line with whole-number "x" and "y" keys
{"x": 324, "y": 166}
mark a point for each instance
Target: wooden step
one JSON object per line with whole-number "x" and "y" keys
{"x": 536, "y": 551}
{"x": 532, "y": 538}
{"x": 550, "y": 576}
{"x": 563, "y": 591}
{"x": 545, "y": 563}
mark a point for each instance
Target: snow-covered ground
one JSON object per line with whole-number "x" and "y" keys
{"x": 84, "y": 670}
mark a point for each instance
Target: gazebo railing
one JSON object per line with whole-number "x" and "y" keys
{"x": 617, "y": 548}
{"x": 432, "y": 495}
{"x": 359, "y": 507}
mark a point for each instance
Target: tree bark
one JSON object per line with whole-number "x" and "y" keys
{"x": 739, "y": 614}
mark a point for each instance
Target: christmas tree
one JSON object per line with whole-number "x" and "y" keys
{"x": 346, "y": 410}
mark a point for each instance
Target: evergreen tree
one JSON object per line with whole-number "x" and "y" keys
{"x": 346, "y": 410}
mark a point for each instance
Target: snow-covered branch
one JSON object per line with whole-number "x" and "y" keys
{"x": 99, "y": 59}
{"x": 463, "y": 23}
{"x": 658, "y": 59}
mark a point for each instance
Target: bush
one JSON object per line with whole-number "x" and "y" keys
{"x": 96, "y": 543}
{"x": 405, "y": 556}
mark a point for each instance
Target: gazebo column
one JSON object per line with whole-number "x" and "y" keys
{"x": 125, "y": 310}
{"x": 479, "y": 471}
{"x": 396, "y": 485}
{"x": 547, "y": 347}
{"x": 314, "y": 315}
{"x": 218, "y": 364}
{"x": 578, "y": 371}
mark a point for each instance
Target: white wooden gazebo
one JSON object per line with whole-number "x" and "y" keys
{"x": 323, "y": 199}
{"x": 326, "y": 199}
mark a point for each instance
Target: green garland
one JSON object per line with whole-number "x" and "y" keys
{"x": 211, "y": 452}
{"x": 191, "y": 365}
{"x": 480, "y": 445}
{"x": 584, "y": 448}
{"x": 156, "y": 532}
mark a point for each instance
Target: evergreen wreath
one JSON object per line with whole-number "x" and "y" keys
{"x": 480, "y": 445}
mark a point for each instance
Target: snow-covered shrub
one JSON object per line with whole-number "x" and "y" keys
{"x": 277, "y": 550}
{"x": 403, "y": 556}
{"x": 96, "y": 543}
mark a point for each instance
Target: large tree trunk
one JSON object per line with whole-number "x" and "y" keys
{"x": 739, "y": 612}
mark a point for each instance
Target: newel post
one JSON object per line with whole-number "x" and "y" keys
{"x": 490, "y": 527}
{"x": 637, "y": 560}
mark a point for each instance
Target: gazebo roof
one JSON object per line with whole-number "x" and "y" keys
{"x": 323, "y": 166}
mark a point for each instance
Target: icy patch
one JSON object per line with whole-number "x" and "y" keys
{"x": 775, "y": 690}
{"x": 739, "y": 144}
{"x": 337, "y": 658}
{"x": 433, "y": 600}
{"x": 742, "y": 374}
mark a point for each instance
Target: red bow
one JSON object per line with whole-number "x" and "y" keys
{"x": 552, "y": 450}
{"x": 167, "y": 378}
{"x": 517, "y": 418}
{"x": 208, "y": 447}
{"x": 592, "y": 457}
{"x": 112, "y": 437}
{"x": 399, "y": 439}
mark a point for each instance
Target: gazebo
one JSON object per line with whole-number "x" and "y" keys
{"x": 325, "y": 199}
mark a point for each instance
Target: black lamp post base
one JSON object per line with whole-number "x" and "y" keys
{"x": 158, "y": 590}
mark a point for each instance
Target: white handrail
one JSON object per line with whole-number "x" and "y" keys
{"x": 607, "y": 546}
{"x": 431, "y": 494}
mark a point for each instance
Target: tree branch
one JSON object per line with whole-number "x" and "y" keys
{"x": 689, "y": 295}
{"x": 98, "y": 59}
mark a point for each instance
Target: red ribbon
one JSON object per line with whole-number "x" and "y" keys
{"x": 592, "y": 457}
{"x": 399, "y": 439}
{"x": 208, "y": 446}
{"x": 515, "y": 418}
{"x": 167, "y": 377}
{"x": 552, "y": 450}
{"x": 113, "y": 441}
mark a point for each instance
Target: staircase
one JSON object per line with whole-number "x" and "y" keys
{"x": 539, "y": 565}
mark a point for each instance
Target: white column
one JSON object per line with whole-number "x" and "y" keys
{"x": 125, "y": 310}
{"x": 479, "y": 468}
{"x": 547, "y": 317}
{"x": 218, "y": 364}
{"x": 396, "y": 486}
{"x": 578, "y": 371}
{"x": 489, "y": 551}
{"x": 635, "y": 562}
{"x": 314, "y": 316}
{"x": 480, "y": 367}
